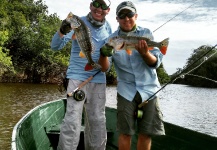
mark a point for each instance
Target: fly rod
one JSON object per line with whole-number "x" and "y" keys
{"x": 79, "y": 94}
{"x": 187, "y": 67}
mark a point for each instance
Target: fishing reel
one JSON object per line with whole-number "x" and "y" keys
{"x": 139, "y": 114}
{"x": 139, "y": 111}
{"x": 78, "y": 95}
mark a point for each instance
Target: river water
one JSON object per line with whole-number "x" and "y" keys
{"x": 190, "y": 107}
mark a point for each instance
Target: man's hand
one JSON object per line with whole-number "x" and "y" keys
{"x": 149, "y": 58}
{"x": 106, "y": 50}
{"x": 65, "y": 27}
{"x": 142, "y": 47}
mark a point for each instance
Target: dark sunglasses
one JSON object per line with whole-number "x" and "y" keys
{"x": 97, "y": 5}
{"x": 124, "y": 15}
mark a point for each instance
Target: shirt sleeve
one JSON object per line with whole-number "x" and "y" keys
{"x": 58, "y": 42}
{"x": 156, "y": 52}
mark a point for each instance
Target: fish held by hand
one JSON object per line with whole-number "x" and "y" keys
{"x": 128, "y": 43}
{"x": 83, "y": 36}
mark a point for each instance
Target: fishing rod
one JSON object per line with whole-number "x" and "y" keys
{"x": 175, "y": 16}
{"x": 79, "y": 94}
{"x": 177, "y": 76}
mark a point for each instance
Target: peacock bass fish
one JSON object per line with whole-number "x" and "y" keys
{"x": 83, "y": 36}
{"x": 128, "y": 43}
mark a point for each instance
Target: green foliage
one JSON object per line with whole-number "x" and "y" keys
{"x": 5, "y": 60}
{"x": 201, "y": 68}
{"x": 111, "y": 76}
{"x": 30, "y": 30}
{"x": 162, "y": 75}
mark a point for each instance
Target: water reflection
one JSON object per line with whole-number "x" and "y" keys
{"x": 194, "y": 108}
{"x": 16, "y": 100}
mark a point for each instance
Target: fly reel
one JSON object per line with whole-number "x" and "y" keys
{"x": 78, "y": 95}
{"x": 139, "y": 114}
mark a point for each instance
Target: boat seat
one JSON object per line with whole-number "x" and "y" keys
{"x": 53, "y": 133}
{"x": 55, "y": 129}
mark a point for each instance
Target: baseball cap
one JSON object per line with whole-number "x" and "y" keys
{"x": 126, "y": 5}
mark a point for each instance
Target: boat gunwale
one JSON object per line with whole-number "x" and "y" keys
{"x": 16, "y": 127}
{"x": 171, "y": 130}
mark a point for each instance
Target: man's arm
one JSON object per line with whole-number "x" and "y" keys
{"x": 105, "y": 52}
{"x": 104, "y": 62}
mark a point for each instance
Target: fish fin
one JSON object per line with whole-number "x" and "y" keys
{"x": 92, "y": 66}
{"x": 129, "y": 52}
{"x": 73, "y": 36}
{"x": 81, "y": 54}
{"x": 150, "y": 48}
{"x": 164, "y": 44}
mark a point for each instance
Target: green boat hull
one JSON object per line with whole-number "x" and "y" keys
{"x": 39, "y": 130}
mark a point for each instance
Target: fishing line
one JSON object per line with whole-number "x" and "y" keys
{"x": 175, "y": 16}
{"x": 204, "y": 60}
{"x": 202, "y": 77}
{"x": 180, "y": 75}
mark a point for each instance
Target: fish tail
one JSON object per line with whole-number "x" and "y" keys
{"x": 150, "y": 48}
{"x": 92, "y": 66}
{"x": 163, "y": 46}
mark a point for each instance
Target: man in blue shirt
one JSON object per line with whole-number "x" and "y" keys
{"x": 94, "y": 103}
{"x": 137, "y": 82}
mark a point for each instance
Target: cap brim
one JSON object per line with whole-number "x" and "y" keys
{"x": 126, "y": 7}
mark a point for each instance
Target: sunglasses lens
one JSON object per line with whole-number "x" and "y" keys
{"x": 121, "y": 16}
{"x": 104, "y": 7}
{"x": 96, "y": 4}
{"x": 129, "y": 15}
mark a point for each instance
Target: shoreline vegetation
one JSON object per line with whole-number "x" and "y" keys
{"x": 26, "y": 56}
{"x": 56, "y": 76}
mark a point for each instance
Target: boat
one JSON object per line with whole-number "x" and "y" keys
{"x": 39, "y": 130}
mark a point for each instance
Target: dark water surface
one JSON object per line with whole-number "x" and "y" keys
{"x": 16, "y": 100}
{"x": 194, "y": 108}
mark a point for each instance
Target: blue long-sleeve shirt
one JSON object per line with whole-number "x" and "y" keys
{"x": 133, "y": 74}
{"x": 76, "y": 65}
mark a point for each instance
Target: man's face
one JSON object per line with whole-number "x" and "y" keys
{"x": 99, "y": 10}
{"x": 126, "y": 19}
